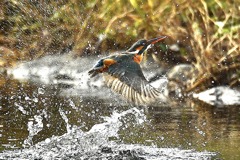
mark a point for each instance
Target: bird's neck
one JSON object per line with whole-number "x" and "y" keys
{"x": 140, "y": 52}
{"x": 138, "y": 58}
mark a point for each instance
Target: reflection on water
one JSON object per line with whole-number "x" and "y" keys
{"x": 32, "y": 113}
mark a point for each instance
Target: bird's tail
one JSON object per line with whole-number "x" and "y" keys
{"x": 146, "y": 94}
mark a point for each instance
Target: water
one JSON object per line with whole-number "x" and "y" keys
{"x": 38, "y": 118}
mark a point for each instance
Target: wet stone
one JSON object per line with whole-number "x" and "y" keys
{"x": 106, "y": 150}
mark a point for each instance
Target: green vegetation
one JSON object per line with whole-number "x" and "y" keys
{"x": 207, "y": 31}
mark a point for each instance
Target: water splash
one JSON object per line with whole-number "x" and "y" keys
{"x": 95, "y": 143}
{"x": 35, "y": 125}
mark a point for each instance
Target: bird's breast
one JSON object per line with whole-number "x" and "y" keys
{"x": 138, "y": 58}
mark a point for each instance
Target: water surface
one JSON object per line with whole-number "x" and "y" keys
{"x": 31, "y": 113}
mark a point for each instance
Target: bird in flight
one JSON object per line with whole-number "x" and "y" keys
{"x": 123, "y": 74}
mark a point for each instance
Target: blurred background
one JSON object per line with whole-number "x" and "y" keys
{"x": 202, "y": 33}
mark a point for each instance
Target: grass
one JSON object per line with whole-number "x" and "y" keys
{"x": 206, "y": 31}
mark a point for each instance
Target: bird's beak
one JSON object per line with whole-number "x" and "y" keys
{"x": 155, "y": 40}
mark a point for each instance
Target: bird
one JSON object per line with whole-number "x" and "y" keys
{"x": 123, "y": 74}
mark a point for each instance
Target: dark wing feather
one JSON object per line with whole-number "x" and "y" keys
{"x": 126, "y": 78}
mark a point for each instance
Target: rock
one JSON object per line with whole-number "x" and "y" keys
{"x": 219, "y": 96}
{"x": 179, "y": 77}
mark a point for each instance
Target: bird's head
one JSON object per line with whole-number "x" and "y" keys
{"x": 141, "y": 45}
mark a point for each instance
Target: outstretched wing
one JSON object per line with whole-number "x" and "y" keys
{"x": 126, "y": 78}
